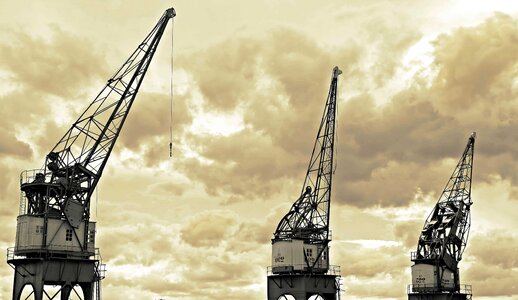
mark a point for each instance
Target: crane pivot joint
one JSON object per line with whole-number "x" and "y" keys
{"x": 170, "y": 12}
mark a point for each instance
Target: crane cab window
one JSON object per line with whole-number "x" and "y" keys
{"x": 91, "y": 236}
{"x": 309, "y": 252}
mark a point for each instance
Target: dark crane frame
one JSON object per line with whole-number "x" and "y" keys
{"x": 308, "y": 218}
{"x": 63, "y": 188}
{"x": 74, "y": 166}
{"x": 445, "y": 233}
{"x": 307, "y": 222}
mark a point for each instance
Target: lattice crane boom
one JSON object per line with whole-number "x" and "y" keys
{"x": 450, "y": 219}
{"x": 300, "y": 243}
{"x": 74, "y": 166}
{"x": 308, "y": 218}
{"x": 95, "y": 132}
{"x": 444, "y": 236}
{"x": 300, "y": 247}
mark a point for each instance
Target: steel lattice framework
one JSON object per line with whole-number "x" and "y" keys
{"x": 308, "y": 218}
{"x": 446, "y": 230}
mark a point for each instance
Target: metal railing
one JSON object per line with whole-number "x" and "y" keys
{"x": 413, "y": 255}
{"x": 100, "y": 267}
{"x": 11, "y": 255}
{"x": 11, "y": 252}
{"x": 97, "y": 254}
{"x": 55, "y": 247}
{"x": 432, "y": 288}
{"x": 101, "y": 271}
{"x": 28, "y": 176}
{"x": 303, "y": 268}
{"x": 333, "y": 270}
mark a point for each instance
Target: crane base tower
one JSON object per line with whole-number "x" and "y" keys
{"x": 63, "y": 272}
{"x": 303, "y": 286}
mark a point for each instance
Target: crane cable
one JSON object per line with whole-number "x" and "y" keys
{"x": 171, "y": 96}
{"x": 335, "y": 158}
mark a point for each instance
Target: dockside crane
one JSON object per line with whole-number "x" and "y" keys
{"x": 435, "y": 273}
{"x": 55, "y": 239}
{"x": 300, "y": 247}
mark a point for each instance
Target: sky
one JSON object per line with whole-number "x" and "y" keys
{"x": 250, "y": 83}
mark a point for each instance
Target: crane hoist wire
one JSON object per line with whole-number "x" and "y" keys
{"x": 171, "y": 96}
{"x": 335, "y": 144}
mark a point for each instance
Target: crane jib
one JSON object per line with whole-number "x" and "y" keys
{"x": 74, "y": 166}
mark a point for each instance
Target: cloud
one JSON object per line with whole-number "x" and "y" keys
{"x": 149, "y": 120}
{"x": 483, "y": 248}
{"x": 235, "y": 62}
{"x": 408, "y": 232}
{"x": 365, "y": 262}
{"x": 18, "y": 114}
{"x": 207, "y": 257}
{"x": 10, "y": 145}
{"x": 474, "y": 64}
{"x": 492, "y": 264}
{"x": 408, "y": 144}
{"x": 361, "y": 267}
{"x": 47, "y": 74}
{"x": 276, "y": 103}
{"x": 199, "y": 226}
{"x": 250, "y": 173}
{"x": 55, "y": 85}
{"x": 208, "y": 228}
{"x": 59, "y": 66}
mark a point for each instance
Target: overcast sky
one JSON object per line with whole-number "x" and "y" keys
{"x": 250, "y": 82}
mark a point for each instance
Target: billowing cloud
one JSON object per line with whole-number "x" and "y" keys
{"x": 59, "y": 67}
{"x": 408, "y": 232}
{"x": 413, "y": 138}
{"x": 210, "y": 242}
{"x": 278, "y": 103}
{"x": 359, "y": 262}
{"x": 492, "y": 271}
{"x": 208, "y": 228}
{"x": 198, "y": 225}
{"x": 485, "y": 251}
{"x": 10, "y": 145}
{"x": 476, "y": 69}
{"x": 150, "y": 119}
